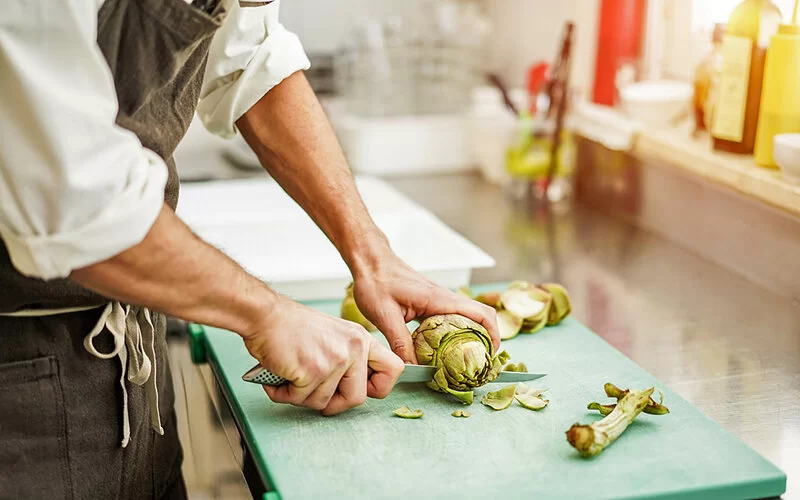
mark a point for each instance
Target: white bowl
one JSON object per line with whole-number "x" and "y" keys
{"x": 786, "y": 150}
{"x": 657, "y": 102}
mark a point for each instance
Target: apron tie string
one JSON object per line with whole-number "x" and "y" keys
{"x": 134, "y": 343}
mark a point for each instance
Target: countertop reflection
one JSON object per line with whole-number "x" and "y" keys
{"x": 729, "y": 347}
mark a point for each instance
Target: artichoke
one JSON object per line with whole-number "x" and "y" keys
{"x": 463, "y": 352}
{"x": 350, "y": 311}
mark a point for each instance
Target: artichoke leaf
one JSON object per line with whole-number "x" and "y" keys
{"x": 461, "y": 414}
{"x": 500, "y": 400}
{"x": 439, "y": 382}
{"x": 529, "y": 397}
{"x": 603, "y": 409}
{"x": 519, "y": 285}
{"x": 561, "y": 306}
{"x": 508, "y": 324}
{"x": 519, "y": 367}
{"x": 491, "y": 299}
{"x": 524, "y": 303}
{"x": 466, "y": 397}
{"x": 531, "y": 304}
{"x": 406, "y": 412}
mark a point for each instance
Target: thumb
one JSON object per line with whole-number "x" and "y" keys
{"x": 391, "y": 323}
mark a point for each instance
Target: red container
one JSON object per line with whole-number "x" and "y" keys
{"x": 619, "y": 42}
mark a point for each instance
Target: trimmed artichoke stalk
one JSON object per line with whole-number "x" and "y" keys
{"x": 463, "y": 352}
{"x": 508, "y": 324}
{"x": 461, "y": 414}
{"x": 406, "y": 412}
{"x": 561, "y": 306}
{"x": 615, "y": 392}
{"x": 591, "y": 440}
{"x": 519, "y": 367}
{"x": 350, "y": 311}
{"x": 500, "y": 400}
{"x": 530, "y": 398}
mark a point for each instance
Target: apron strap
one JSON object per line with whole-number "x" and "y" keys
{"x": 134, "y": 343}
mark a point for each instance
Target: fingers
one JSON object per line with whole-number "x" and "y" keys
{"x": 352, "y": 389}
{"x": 393, "y": 325}
{"x": 320, "y": 398}
{"x": 386, "y": 368}
{"x": 333, "y": 381}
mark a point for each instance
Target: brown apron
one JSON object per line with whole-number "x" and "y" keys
{"x": 60, "y": 411}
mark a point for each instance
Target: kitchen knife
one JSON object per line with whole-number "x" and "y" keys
{"x": 411, "y": 373}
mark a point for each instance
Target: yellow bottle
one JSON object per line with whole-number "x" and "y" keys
{"x": 780, "y": 97}
{"x": 738, "y": 94}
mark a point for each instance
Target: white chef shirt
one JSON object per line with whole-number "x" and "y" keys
{"x": 75, "y": 188}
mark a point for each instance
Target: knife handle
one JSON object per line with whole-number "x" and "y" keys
{"x": 260, "y": 375}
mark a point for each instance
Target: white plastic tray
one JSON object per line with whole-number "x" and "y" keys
{"x": 263, "y": 229}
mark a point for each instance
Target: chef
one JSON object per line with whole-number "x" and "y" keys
{"x": 94, "y": 97}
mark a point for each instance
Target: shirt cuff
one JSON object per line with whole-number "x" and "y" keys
{"x": 278, "y": 57}
{"x": 116, "y": 229}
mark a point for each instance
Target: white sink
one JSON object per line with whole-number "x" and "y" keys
{"x": 263, "y": 229}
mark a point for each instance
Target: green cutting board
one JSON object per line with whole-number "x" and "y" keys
{"x": 516, "y": 453}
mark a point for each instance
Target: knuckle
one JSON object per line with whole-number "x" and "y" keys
{"x": 317, "y": 370}
{"x": 382, "y": 392}
{"x": 397, "y": 366}
{"x": 316, "y": 404}
{"x": 488, "y": 311}
{"x": 358, "y": 342}
{"x": 398, "y": 344}
{"x": 338, "y": 357}
{"x": 359, "y": 399}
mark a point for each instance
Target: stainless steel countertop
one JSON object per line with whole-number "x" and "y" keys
{"x": 729, "y": 347}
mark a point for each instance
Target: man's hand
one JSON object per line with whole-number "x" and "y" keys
{"x": 332, "y": 364}
{"x": 391, "y": 293}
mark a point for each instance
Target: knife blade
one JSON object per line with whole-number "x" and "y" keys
{"x": 411, "y": 374}
{"x": 424, "y": 373}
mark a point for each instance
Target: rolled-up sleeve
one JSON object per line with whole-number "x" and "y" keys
{"x": 75, "y": 189}
{"x": 250, "y": 54}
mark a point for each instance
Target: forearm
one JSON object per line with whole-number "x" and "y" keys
{"x": 292, "y": 137}
{"x": 175, "y": 272}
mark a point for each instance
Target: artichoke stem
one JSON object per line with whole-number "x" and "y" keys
{"x": 591, "y": 440}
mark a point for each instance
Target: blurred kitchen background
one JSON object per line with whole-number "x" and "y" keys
{"x": 643, "y": 152}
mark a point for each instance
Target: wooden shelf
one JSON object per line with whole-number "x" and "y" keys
{"x": 677, "y": 147}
